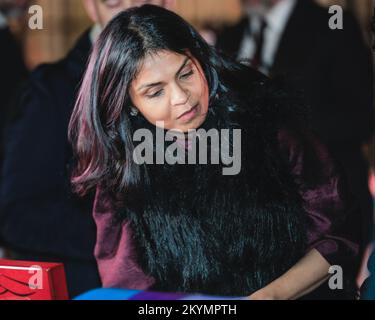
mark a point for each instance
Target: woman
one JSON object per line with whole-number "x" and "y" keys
{"x": 270, "y": 231}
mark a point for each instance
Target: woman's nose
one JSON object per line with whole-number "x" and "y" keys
{"x": 179, "y": 95}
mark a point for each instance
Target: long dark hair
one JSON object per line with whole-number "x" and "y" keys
{"x": 100, "y": 128}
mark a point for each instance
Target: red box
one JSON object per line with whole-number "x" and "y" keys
{"x": 22, "y": 280}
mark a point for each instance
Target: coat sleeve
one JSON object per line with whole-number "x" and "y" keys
{"x": 115, "y": 250}
{"x": 332, "y": 213}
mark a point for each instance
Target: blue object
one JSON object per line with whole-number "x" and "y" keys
{"x": 108, "y": 294}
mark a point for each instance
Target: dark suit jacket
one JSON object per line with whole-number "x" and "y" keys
{"x": 40, "y": 218}
{"x": 12, "y": 71}
{"x": 333, "y": 68}
{"x": 334, "y": 65}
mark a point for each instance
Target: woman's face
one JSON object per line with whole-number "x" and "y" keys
{"x": 171, "y": 88}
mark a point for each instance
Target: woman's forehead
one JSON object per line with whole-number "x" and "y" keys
{"x": 161, "y": 61}
{"x": 160, "y": 66}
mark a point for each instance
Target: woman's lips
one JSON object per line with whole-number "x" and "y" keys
{"x": 188, "y": 115}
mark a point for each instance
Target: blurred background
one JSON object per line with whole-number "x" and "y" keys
{"x": 64, "y": 22}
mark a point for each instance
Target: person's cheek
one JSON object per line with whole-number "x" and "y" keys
{"x": 204, "y": 97}
{"x": 201, "y": 88}
{"x": 158, "y": 111}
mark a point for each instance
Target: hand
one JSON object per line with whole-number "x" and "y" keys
{"x": 261, "y": 295}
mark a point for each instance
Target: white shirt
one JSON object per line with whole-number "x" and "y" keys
{"x": 276, "y": 18}
{"x": 3, "y": 21}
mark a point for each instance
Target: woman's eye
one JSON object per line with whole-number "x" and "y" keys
{"x": 187, "y": 75}
{"x": 154, "y": 95}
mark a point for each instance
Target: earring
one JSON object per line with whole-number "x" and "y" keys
{"x": 133, "y": 112}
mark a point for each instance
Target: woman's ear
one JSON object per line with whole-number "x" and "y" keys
{"x": 91, "y": 10}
